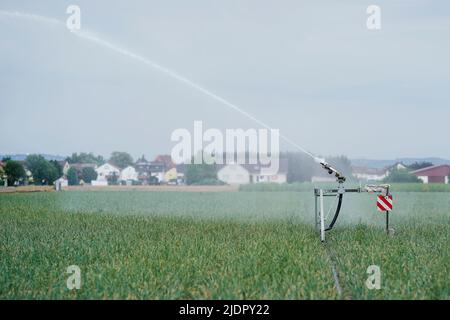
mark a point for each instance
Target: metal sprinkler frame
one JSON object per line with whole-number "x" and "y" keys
{"x": 320, "y": 194}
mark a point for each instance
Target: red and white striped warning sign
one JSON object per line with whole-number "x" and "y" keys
{"x": 385, "y": 203}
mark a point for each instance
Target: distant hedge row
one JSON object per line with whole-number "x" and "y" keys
{"x": 308, "y": 187}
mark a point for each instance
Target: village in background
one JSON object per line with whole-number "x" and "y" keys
{"x": 121, "y": 169}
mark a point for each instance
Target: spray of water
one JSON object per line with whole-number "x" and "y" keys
{"x": 89, "y": 36}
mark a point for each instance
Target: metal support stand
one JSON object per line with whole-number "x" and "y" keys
{"x": 322, "y": 217}
{"x": 338, "y": 193}
{"x": 316, "y": 218}
{"x": 387, "y": 222}
{"x": 320, "y": 212}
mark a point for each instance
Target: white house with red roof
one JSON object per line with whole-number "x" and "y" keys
{"x": 103, "y": 173}
{"x": 434, "y": 174}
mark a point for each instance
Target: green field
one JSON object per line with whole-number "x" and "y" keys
{"x": 237, "y": 245}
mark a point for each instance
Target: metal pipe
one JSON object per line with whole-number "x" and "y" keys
{"x": 322, "y": 218}
{"x": 316, "y": 220}
{"x": 387, "y": 222}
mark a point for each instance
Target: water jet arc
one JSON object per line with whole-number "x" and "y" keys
{"x": 118, "y": 49}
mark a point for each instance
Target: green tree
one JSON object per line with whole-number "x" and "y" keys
{"x": 88, "y": 174}
{"x": 300, "y": 167}
{"x": 84, "y": 157}
{"x": 42, "y": 170}
{"x": 342, "y": 164}
{"x": 121, "y": 159}
{"x": 401, "y": 176}
{"x": 72, "y": 176}
{"x": 201, "y": 174}
{"x": 2, "y": 174}
{"x": 58, "y": 167}
{"x": 14, "y": 171}
{"x": 419, "y": 165}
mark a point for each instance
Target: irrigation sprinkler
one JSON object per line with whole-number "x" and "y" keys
{"x": 384, "y": 200}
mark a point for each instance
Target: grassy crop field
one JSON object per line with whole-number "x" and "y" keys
{"x": 222, "y": 245}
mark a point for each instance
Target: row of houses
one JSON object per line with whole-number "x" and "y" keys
{"x": 163, "y": 170}
{"x": 375, "y": 174}
{"x": 432, "y": 174}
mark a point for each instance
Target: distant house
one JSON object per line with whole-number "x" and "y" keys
{"x": 181, "y": 170}
{"x": 234, "y": 174}
{"x": 433, "y": 174}
{"x": 369, "y": 174}
{"x": 155, "y": 169}
{"x": 161, "y": 168}
{"x": 106, "y": 171}
{"x": 128, "y": 175}
{"x": 158, "y": 170}
{"x": 63, "y": 182}
{"x": 259, "y": 175}
{"x": 252, "y": 173}
{"x": 142, "y": 167}
{"x": 166, "y": 159}
{"x": 375, "y": 174}
{"x": 171, "y": 175}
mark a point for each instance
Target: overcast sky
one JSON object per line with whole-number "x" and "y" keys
{"x": 311, "y": 69}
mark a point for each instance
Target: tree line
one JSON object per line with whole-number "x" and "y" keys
{"x": 46, "y": 172}
{"x": 301, "y": 168}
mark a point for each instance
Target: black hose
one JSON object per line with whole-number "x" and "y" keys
{"x": 336, "y": 215}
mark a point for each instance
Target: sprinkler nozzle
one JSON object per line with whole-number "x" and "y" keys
{"x": 340, "y": 178}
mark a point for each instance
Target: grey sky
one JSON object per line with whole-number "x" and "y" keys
{"x": 311, "y": 69}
